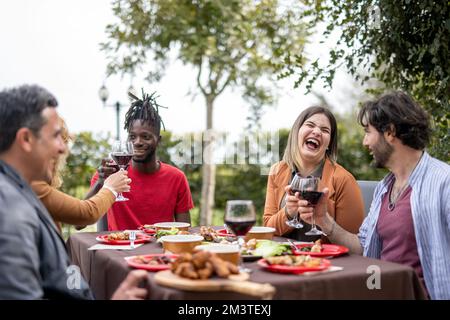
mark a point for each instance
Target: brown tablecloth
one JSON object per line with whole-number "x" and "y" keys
{"x": 105, "y": 269}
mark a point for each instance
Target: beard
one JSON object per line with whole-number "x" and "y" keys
{"x": 381, "y": 153}
{"x": 147, "y": 158}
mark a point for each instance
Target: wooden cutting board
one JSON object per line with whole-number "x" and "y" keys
{"x": 234, "y": 283}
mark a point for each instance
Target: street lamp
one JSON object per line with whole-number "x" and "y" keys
{"x": 103, "y": 93}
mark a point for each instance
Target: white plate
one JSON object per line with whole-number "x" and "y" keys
{"x": 261, "y": 230}
{"x": 172, "y": 225}
{"x": 181, "y": 238}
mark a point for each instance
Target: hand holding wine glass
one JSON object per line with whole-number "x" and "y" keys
{"x": 321, "y": 217}
{"x": 293, "y": 189}
{"x": 122, "y": 152}
{"x": 308, "y": 189}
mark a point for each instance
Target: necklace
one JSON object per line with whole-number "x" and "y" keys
{"x": 393, "y": 199}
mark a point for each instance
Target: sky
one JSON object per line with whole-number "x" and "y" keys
{"x": 55, "y": 43}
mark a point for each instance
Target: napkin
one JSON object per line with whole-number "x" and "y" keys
{"x": 330, "y": 269}
{"x": 101, "y": 246}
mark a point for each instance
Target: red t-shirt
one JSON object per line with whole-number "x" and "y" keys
{"x": 153, "y": 198}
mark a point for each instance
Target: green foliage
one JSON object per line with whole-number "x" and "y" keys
{"x": 85, "y": 156}
{"x": 403, "y": 43}
{"x": 351, "y": 153}
{"x": 233, "y": 181}
{"x": 230, "y": 43}
{"x": 192, "y": 171}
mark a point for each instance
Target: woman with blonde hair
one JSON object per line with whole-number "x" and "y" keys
{"x": 67, "y": 209}
{"x": 311, "y": 151}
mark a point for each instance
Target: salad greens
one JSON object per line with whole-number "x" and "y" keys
{"x": 268, "y": 248}
{"x": 163, "y": 232}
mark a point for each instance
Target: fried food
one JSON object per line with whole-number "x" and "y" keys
{"x": 209, "y": 234}
{"x": 286, "y": 260}
{"x": 297, "y": 261}
{"x": 200, "y": 259}
{"x": 155, "y": 260}
{"x": 207, "y": 271}
{"x": 220, "y": 267}
{"x": 186, "y": 270}
{"x": 202, "y": 265}
{"x": 317, "y": 247}
{"x": 119, "y": 236}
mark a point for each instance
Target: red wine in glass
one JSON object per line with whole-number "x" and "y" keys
{"x": 240, "y": 227}
{"x": 122, "y": 159}
{"x": 240, "y": 216}
{"x": 312, "y": 197}
{"x": 122, "y": 152}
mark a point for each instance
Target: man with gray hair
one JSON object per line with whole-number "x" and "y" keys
{"x": 33, "y": 259}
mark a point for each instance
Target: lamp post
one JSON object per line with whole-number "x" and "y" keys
{"x": 103, "y": 93}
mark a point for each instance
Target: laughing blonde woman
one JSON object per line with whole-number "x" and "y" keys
{"x": 311, "y": 151}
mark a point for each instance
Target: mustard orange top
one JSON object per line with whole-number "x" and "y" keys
{"x": 345, "y": 203}
{"x": 67, "y": 209}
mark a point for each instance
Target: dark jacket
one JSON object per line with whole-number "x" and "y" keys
{"x": 33, "y": 259}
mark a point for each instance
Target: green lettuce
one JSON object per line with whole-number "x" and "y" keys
{"x": 162, "y": 232}
{"x": 271, "y": 248}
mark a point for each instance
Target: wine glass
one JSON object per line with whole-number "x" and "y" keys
{"x": 308, "y": 191}
{"x": 240, "y": 217}
{"x": 122, "y": 152}
{"x": 295, "y": 187}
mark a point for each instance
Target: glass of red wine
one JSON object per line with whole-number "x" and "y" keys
{"x": 122, "y": 152}
{"x": 307, "y": 188}
{"x": 240, "y": 217}
{"x": 295, "y": 187}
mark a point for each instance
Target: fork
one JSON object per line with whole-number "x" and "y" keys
{"x": 293, "y": 246}
{"x": 132, "y": 238}
{"x": 226, "y": 228}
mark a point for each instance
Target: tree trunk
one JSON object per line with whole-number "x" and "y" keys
{"x": 208, "y": 168}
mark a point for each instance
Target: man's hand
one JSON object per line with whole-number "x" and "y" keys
{"x": 129, "y": 290}
{"x": 320, "y": 210}
{"x": 107, "y": 168}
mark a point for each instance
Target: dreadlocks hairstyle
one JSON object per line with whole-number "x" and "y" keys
{"x": 146, "y": 110}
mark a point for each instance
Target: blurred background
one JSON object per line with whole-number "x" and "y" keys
{"x": 249, "y": 66}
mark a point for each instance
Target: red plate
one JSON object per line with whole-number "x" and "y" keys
{"x": 140, "y": 238}
{"x": 280, "y": 268}
{"x": 147, "y": 230}
{"x": 328, "y": 250}
{"x": 225, "y": 233}
{"x": 150, "y": 267}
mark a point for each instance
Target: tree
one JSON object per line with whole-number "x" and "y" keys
{"x": 238, "y": 44}
{"x": 403, "y": 43}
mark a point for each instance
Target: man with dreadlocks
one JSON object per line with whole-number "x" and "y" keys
{"x": 159, "y": 192}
